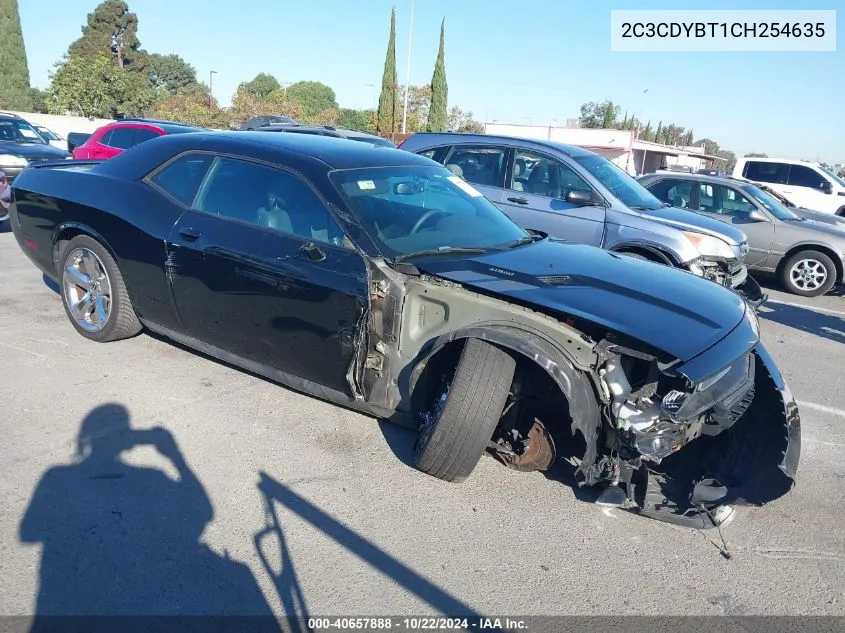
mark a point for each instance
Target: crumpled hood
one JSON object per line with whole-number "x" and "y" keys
{"x": 669, "y": 309}
{"x": 692, "y": 221}
{"x": 32, "y": 150}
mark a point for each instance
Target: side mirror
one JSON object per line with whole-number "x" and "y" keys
{"x": 758, "y": 216}
{"x": 581, "y": 198}
{"x": 826, "y": 186}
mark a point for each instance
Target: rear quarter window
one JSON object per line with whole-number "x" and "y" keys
{"x": 181, "y": 178}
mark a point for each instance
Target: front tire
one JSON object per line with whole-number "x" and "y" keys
{"x": 93, "y": 292}
{"x": 808, "y": 274}
{"x": 467, "y": 412}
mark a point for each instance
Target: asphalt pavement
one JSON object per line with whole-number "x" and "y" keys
{"x": 320, "y": 512}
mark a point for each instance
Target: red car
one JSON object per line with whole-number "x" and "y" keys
{"x": 110, "y": 140}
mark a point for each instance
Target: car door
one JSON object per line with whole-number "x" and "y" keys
{"x": 808, "y": 188}
{"x": 731, "y": 206}
{"x": 772, "y": 173}
{"x": 268, "y": 278}
{"x": 534, "y": 197}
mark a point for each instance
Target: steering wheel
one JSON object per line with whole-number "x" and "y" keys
{"x": 424, "y": 218}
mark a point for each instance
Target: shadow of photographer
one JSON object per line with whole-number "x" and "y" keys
{"x": 121, "y": 540}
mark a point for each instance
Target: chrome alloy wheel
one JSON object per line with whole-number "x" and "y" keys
{"x": 808, "y": 274}
{"x": 87, "y": 289}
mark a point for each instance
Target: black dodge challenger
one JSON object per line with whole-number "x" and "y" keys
{"x": 379, "y": 280}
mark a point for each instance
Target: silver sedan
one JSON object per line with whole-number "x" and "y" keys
{"x": 807, "y": 254}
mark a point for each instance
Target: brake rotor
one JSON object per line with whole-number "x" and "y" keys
{"x": 539, "y": 453}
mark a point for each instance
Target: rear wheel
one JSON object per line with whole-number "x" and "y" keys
{"x": 808, "y": 273}
{"x": 841, "y": 212}
{"x": 466, "y": 412}
{"x": 93, "y": 292}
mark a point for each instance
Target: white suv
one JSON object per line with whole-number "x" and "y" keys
{"x": 805, "y": 184}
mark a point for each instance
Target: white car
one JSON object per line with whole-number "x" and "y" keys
{"x": 51, "y": 137}
{"x": 805, "y": 183}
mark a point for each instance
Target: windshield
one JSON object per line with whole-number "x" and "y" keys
{"x": 771, "y": 203}
{"x": 834, "y": 176}
{"x": 18, "y": 131}
{"x": 619, "y": 183}
{"x": 409, "y": 209}
{"x": 47, "y": 134}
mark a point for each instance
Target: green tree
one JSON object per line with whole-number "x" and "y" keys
{"x": 261, "y": 85}
{"x": 315, "y": 99}
{"x": 38, "y": 100}
{"x": 462, "y": 121}
{"x": 387, "y": 101}
{"x": 437, "y": 120}
{"x": 14, "y": 84}
{"x": 87, "y": 88}
{"x": 658, "y": 135}
{"x": 603, "y": 114}
{"x": 170, "y": 73}
{"x": 111, "y": 30}
{"x": 356, "y": 119}
{"x": 646, "y": 134}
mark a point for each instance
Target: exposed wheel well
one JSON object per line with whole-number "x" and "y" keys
{"x": 841, "y": 211}
{"x": 534, "y": 396}
{"x": 650, "y": 253}
{"x": 837, "y": 261}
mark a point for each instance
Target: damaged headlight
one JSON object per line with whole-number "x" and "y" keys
{"x": 710, "y": 246}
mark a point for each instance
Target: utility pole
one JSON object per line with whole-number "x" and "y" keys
{"x": 211, "y": 74}
{"x": 408, "y": 71}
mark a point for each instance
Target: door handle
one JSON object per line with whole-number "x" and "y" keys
{"x": 313, "y": 252}
{"x": 191, "y": 235}
{"x": 518, "y": 200}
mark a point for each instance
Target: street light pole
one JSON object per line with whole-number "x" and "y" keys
{"x": 211, "y": 74}
{"x": 408, "y": 71}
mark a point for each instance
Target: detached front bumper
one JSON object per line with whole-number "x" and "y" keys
{"x": 751, "y": 463}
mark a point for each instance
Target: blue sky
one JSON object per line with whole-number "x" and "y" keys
{"x": 511, "y": 62}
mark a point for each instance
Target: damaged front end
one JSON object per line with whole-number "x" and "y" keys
{"x": 684, "y": 443}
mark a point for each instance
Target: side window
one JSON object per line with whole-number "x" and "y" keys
{"x": 122, "y": 137}
{"x": 268, "y": 198}
{"x": 724, "y": 200}
{"x": 105, "y": 138}
{"x": 801, "y": 176}
{"x": 436, "y": 153}
{"x": 542, "y": 176}
{"x": 182, "y": 177}
{"x": 480, "y": 165}
{"x": 143, "y": 134}
{"x": 766, "y": 172}
{"x": 678, "y": 193}
{"x": 429, "y": 153}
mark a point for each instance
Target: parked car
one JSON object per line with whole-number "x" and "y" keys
{"x": 5, "y": 197}
{"x": 51, "y": 137}
{"x": 75, "y": 139}
{"x": 807, "y": 256}
{"x": 380, "y": 281}
{"x": 575, "y": 194}
{"x": 110, "y": 140}
{"x": 808, "y": 214}
{"x": 21, "y": 145}
{"x": 331, "y": 130}
{"x": 268, "y": 119}
{"x": 806, "y": 183}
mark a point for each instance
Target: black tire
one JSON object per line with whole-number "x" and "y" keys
{"x": 451, "y": 446}
{"x": 122, "y": 321}
{"x": 841, "y": 212}
{"x": 822, "y": 259}
{"x": 638, "y": 256}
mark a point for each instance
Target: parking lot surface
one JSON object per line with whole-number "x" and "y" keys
{"x": 354, "y": 529}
